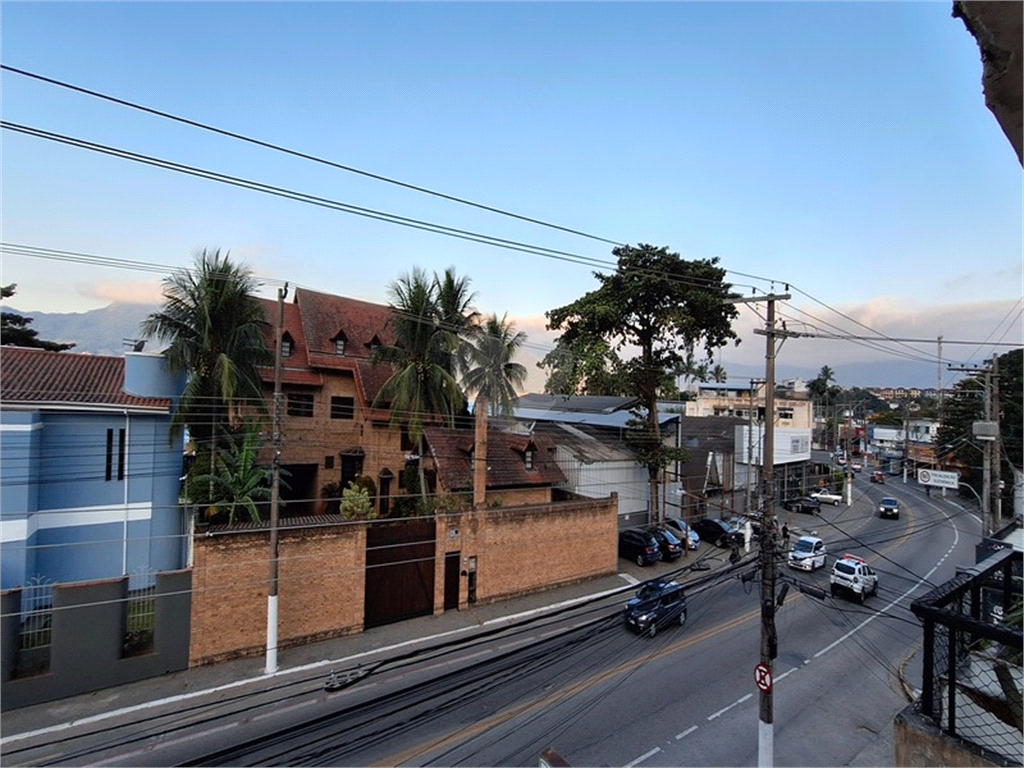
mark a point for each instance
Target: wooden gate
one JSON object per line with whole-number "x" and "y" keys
{"x": 399, "y": 571}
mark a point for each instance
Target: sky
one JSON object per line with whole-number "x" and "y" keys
{"x": 838, "y": 152}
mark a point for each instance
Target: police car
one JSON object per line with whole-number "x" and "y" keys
{"x": 808, "y": 553}
{"x": 852, "y": 575}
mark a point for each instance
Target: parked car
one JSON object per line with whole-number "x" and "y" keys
{"x": 639, "y": 546}
{"x": 718, "y": 532}
{"x": 671, "y": 547}
{"x": 877, "y": 477}
{"x": 802, "y": 504}
{"x": 852, "y": 575}
{"x": 807, "y": 554}
{"x": 683, "y": 532}
{"x": 826, "y": 496}
{"x": 889, "y": 507}
{"x": 657, "y": 604}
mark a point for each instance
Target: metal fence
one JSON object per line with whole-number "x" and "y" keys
{"x": 973, "y": 646}
{"x": 140, "y": 614}
{"x": 36, "y": 631}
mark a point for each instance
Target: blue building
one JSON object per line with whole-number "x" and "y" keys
{"x": 89, "y": 476}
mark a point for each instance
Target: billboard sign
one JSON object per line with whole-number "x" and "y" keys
{"x": 938, "y": 479}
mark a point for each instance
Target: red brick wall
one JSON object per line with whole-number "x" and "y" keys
{"x": 320, "y": 589}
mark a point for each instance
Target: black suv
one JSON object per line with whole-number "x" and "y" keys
{"x": 657, "y": 604}
{"x": 718, "y": 532}
{"x": 639, "y": 546}
{"x": 670, "y": 546}
{"x": 803, "y": 504}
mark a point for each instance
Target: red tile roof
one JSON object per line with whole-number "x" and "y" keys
{"x": 313, "y": 320}
{"x": 506, "y": 468}
{"x": 39, "y": 377}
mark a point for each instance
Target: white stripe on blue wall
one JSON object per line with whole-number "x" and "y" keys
{"x": 20, "y": 530}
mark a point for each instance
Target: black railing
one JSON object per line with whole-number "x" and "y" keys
{"x": 972, "y": 678}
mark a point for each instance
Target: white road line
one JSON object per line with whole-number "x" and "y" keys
{"x": 869, "y": 619}
{"x": 643, "y": 757}
{"x": 686, "y": 733}
{"x": 734, "y": 704}
{"x": 278, "y": 711}
{"x": 784, "y": 675}
{"x": 290, "y": 671}
{"x": 629, "y": 579}
{"x": 171, "y": 742}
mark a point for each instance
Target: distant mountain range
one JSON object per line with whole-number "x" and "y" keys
{"x": 100, "y": 331}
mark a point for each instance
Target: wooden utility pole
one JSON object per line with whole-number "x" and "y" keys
{"x": 769, "y": 638}
{"x": 275, "y": 487}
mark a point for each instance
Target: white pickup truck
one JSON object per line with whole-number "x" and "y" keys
{"x": 827, "y": 497}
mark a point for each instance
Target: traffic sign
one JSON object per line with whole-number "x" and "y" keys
{"x": 939, "y": 479}
{"x": 763, "y": 678}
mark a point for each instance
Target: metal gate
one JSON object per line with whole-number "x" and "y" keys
{"x": 399, "y": 571}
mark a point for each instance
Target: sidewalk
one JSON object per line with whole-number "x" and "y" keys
{"x": 340, "y": 652}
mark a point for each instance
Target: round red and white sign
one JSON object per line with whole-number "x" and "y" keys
{"x": 763, "y": 678}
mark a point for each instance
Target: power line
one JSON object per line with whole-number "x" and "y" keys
{"x": 297, "y": 153}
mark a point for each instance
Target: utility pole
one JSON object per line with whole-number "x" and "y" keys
{"x": 769, "y": 638}
{"x": 750, "y": 446}
{"x": 938, "y": 380}
{"x": 996, "y": 448}
{"x": 275, "y": 487}
{"x": 987, "y": 432}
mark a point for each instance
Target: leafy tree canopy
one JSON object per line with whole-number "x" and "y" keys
{"x": 661, "y": 309}
{"x": 15, "y": 331}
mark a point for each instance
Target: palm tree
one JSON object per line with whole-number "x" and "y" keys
{"x": 456, "y": 315}
{"x": 239, "y": 480}
{"x": 214, "y": 326}
{"x": 719, "y": 374}
{"x": 491, "y": 374}
{"x": 422, "y": 386}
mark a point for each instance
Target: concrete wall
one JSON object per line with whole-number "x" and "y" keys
{"x": 919, "y": 743}
{"x": 87, "y": 638}
{"x": 320, "y": 589}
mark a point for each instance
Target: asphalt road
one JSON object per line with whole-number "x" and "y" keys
{"x": 599, "y": 695}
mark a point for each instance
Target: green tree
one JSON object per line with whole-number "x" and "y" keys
{"x": 214, "y": 326}
{"x": 15, "y": 331}
{"x": 586, "y": 366}
{"x": 239, "y": 480}
{"x": 421, "y": 388}
{"x": 492, "y": 374}
{"x": 456, "y": 315}
{"x": 663, "y": 306}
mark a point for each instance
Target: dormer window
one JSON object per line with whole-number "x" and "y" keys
{"x": 528, "y": 458}
{"x": 339, "y": 347}
{"x": 287, "y": 345}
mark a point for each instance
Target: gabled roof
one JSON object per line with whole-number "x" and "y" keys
{"x": 313, "y": 320}
{"x": 38, "y": 377}
{"x": 452, "y": 450}
{"x": 586, "y": 443}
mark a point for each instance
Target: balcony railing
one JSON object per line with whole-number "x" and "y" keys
{"x": 973, "y": 644}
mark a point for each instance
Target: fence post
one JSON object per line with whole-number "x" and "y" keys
{"x": 951, "y": 684}
{"x": 928, "y": 671}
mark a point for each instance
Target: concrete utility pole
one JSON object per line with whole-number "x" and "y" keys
{"x": 275, "y": 487}
{"x": 986, "y": 470}
{"x": 997, "y": 450}
{"x": 769, "y": 638}
{"x": 938, "y": 380}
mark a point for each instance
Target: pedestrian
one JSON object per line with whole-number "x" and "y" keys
{"x": 785, "y": 535}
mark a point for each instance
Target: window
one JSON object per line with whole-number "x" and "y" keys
{"x": 120, "y": 454}
{"x": 786, "y": 414}
{"x": 300, "y": 405}
{"x": 528, "y": 458}
{"x": 110, "y": 454}
{"x": 286, "y": 346}
{"x": 343, "y": 408}
{"x": 339, "y": 347}
{"x": 329, "y": 462}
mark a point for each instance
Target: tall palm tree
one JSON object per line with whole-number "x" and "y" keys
{"x": 492, "y": 374}
{"x": 421, "y": 387}
{"x": 456, "y": 315}
{"x": 494, "y": 377}
{"x": 214, "y": 326}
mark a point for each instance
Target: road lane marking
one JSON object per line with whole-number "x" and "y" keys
{"x": 734, "y": 704}
{"x": 869, "y": 619}
{"x": 643, "y": 757}
{"x": 278, "y": 711}
{"x": 686, "y": 733}
{"x": 168, "y": 743}
{"x": 785, "y": 674}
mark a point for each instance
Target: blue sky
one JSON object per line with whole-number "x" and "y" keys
{"x": 842, "y": 148}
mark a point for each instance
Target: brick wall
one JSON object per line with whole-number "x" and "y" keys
{"x": 320, "y": 589}
{"x": 529, "y": 549}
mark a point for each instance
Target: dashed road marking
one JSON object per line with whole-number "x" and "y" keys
{"x": 686, "y": 733}
{"x": 734, "y": 704}
{"x": 643, "y": 757}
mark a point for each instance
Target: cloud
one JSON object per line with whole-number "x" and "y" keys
{"x": 148, "y": 292}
